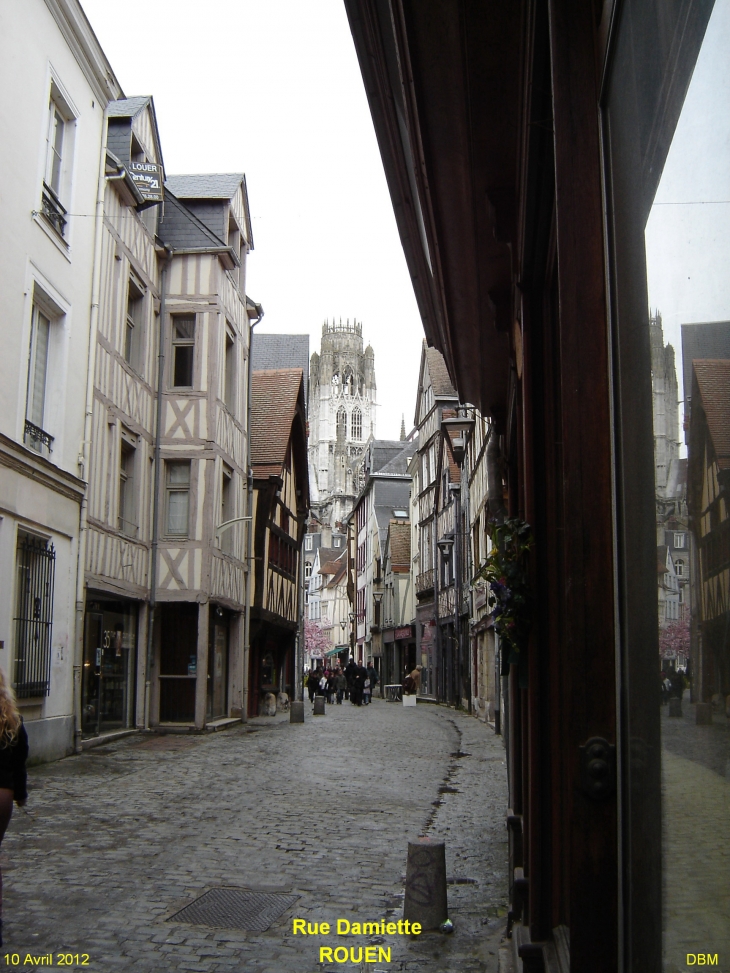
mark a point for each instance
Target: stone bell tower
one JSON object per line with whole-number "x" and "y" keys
{"x": 341, "y": 419}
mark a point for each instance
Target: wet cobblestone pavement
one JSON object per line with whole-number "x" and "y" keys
{"x": 119, "y": 839}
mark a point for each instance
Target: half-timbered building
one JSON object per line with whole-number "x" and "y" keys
{"x": 168, "y": 465}
{"x": 709, "y": 505}
{"x": 280, "y": 508}
{"x": 117, "y": 532}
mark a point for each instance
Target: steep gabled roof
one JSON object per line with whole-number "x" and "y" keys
{"x": 281, "y": 351}
{"x": 399, "y": 463}
{"x": 182, "y": 230}
{"x": 275, "y": 399}
{"x": 208, "y": 185}
{"x": 128, "y": 107}
{"x": 713, "y": 381}
{"x": 440, "y": 378}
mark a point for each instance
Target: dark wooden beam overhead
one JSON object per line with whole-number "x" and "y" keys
{"x": 442, "y": 79}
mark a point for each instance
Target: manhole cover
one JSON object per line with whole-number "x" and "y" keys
{"x": 236, "y": 909}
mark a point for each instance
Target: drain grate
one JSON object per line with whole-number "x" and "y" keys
{"x": 236, "y": 909}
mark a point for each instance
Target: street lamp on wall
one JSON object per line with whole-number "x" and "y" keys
{"x": 457, "y": 428}
{"x": 446, "y": 546}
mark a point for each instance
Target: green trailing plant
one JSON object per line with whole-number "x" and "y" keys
{"x": 509, "y": 598}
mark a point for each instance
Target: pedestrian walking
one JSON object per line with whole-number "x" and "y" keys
{"x": 340, "y": 685}
{"x": 312, "y": 683}
{"x": 366, "y": 691}
{"x": 13, "y": 755}
{"x": 373, "y": 677}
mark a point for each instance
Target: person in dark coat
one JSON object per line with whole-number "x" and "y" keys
{"x": 350, "y": 671}
{"x": 373, "y": 677}
{"x": 340, "y": 685}
{"x": 13, "y": 755}
{"x": 356, "y": 688}
{"x": 312, "y": 684}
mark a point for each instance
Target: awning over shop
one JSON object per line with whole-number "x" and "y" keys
{"x": 337, "y": 649}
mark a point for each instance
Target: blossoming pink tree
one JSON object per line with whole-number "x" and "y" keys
{"x": 674, "y": 640}
{"x": 316, "y": 641}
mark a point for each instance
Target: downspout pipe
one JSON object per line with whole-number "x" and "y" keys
{"x": 259, "y": 314}
{"x": 85, "y": 451}
{"x": 150, "y": 653}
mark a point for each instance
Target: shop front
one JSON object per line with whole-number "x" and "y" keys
{"x": 110, "y": 653}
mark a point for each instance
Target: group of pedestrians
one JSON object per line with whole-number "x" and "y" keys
{"x": 354, "y": 682}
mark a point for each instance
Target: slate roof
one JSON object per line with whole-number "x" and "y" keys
{"x": 127, "y": 107}
{"x": 400, "y": 544}
{"x": 661, "y": 559}
{"x": 274, "y": 395}
{"x": 381, "y": 452}
{"x": 439, "y": 373}
{"x": 389, "y": 496}
{"x": 281, "y": 351}
{"x": 399, "y": 463}
{"x": 209, "y": 185}
{"x": 713, "y": 381}
{"x": 182, "y": 229}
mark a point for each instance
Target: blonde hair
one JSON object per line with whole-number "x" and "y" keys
{"x": 9, "y": 715}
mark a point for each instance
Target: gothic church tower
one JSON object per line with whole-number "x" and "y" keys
{"x": 341, "y": 419}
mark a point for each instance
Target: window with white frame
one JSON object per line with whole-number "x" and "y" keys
{"x": 183, "y": 350}
{"x": 227, "y": 510}
{"x": 307, "y": 570}
{"x": 40, "y": 334}
{"x": 308, "y": 543}
{"x": 59, "y": 154}
{"x": 177, "y": 498}
{"x": 229, "y": 392}
{"x": 679, "y": 568}
{"x": 134, "y": 325}
{"x": 127, "y": 507}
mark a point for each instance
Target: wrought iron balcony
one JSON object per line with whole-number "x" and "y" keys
{"x": 424, "y": 581}
{"x": 37, "y": 438}
{"x": 53, "y": 210}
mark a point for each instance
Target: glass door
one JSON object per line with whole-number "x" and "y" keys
{"x": 667, "y": 155}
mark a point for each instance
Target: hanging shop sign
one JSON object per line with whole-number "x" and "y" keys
{"x": 149, "y": 179}
{"x": 404, "y": 633}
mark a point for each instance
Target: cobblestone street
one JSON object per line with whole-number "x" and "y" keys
{"x": 118, "y": 840}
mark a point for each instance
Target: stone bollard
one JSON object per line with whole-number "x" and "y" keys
{"x": 296, "y": 711}
{"x": 675, "y": 706}
{"x": 319, "y": 705}
{"x": 425, "y": 900}
{"x": 703, "y": 714}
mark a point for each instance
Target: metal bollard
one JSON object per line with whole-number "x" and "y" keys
{"x": 425, "y": 899}
{"x": 296, "y": 711}
{"x": 319, "y": 706}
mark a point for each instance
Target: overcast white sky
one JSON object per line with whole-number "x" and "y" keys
{"x": 688, "y": 232}
{"x": 273, "y": 88}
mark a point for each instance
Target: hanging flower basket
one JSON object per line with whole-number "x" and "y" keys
{"x": 509, "y": 598}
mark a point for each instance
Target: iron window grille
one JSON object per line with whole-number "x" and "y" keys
{"x": 37, "y": 438}
{"x": 36, "y": 568}
{"x": 53, "y": 210}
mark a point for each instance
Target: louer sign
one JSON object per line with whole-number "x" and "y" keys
{"x": 148, "y": 178}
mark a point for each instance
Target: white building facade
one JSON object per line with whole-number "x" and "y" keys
{"x": 56, "y": 85}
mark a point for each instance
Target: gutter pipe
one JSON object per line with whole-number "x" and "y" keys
{"x": 249, "y": 531}
{"x": 156, "y": 494}
{"x": 83, "y": 460}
